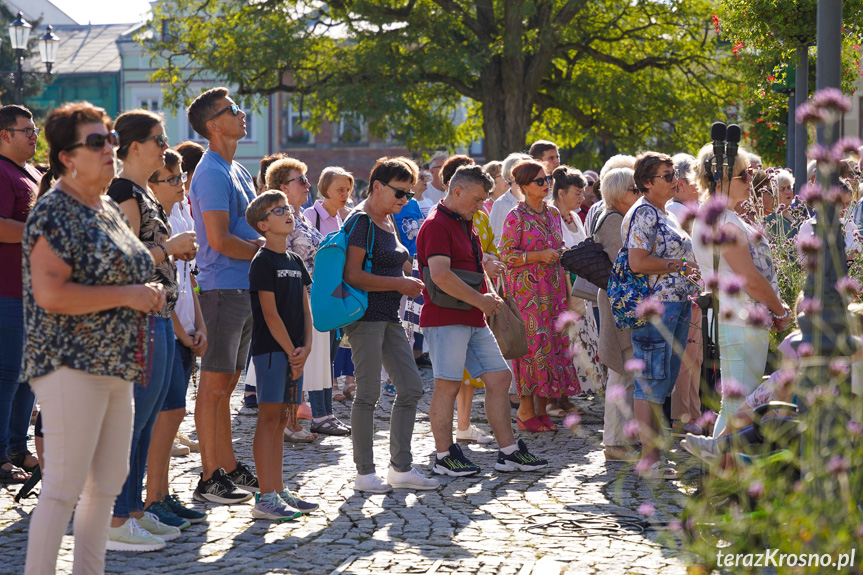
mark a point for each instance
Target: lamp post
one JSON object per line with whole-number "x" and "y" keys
{"x": 19, "y": 34}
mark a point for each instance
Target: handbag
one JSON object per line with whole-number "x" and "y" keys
{"x": 584, "y": 289}
{"x": 443, "y": 299}
{"x": 626, "y": 289}
{"x": 588, "y": 259}
{"x": 507, "y": 325}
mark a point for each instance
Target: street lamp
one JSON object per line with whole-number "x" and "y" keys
{"x": 19, "y": 34}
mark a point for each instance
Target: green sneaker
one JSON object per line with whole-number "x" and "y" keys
{"x": 151, "y": 523}
{"x": 271, "y": 507}
{"x": 132, "y": 537}
{"x": 164, "y": 514}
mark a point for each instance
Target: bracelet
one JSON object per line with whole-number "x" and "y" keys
{"x": 783, "y": 316}
{"x": 524, "y": 257}
{"x": 164, "y": 251}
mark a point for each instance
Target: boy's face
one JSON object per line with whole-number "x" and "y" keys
{"x": 279, "y": 220}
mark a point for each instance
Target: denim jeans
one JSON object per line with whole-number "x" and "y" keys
{"x": 661, "y": 361}
{"x": 321, "y": 402}
{"x": 16, "y": 399}
{"x": 148, "y": 404}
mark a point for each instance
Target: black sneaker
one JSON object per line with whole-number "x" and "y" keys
{"x": 244, "y": 478}
{"x": 219, "y": 489}
{"x": 519, "y": 460}
{"x": 455, "y": 463}
{"x": 423, "y": 361}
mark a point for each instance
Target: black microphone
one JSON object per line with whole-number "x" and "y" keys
{"x": 733, "y": 137}
{"x": 717, "y": 134}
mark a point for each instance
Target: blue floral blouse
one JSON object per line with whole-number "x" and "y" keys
{"x": 102, "y": 250}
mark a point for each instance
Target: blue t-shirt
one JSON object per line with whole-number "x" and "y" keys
{"x": 221, "y": 186}
{"x": 408, "y": 222}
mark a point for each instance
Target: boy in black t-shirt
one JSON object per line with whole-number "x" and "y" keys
{"x": 281, "y": 341}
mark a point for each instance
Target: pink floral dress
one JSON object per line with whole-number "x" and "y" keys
{"x": 539, "y": 289}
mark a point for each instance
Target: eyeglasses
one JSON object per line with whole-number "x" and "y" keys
{"x": 173, "y": 180}
{"x": 161, "y": 140}
{"x": 670, "y": 177}
{"x": 96, "y": 142}
{"x": 590, "y": 183}
{"x": 279, "y": 211}
{"x": 540, "y": 181}
{"x": 633, "y": 189}
{"x": 744, "y": 175}
{"x": 303, "y": 180}
{"x": 235, "y": 109}
{"x": 401, "y": 193}
{"x": 28, "y": 132}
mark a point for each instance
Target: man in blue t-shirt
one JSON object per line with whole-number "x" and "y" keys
{"x": 221, "y": 190}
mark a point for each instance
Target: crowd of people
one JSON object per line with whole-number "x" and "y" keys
{"x": 184, "y": 262}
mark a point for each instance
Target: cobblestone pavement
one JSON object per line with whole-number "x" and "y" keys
{"x": 579, "y": 516}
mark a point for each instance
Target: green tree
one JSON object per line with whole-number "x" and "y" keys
{"x": 636, "y": 73}
{"x": 33, "y": 83}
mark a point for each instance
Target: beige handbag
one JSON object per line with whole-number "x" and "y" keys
{"x": 507, "y": 325}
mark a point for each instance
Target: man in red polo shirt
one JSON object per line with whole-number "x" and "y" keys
{"x": 19, "y": 183}
{"x": 460, "y": 339}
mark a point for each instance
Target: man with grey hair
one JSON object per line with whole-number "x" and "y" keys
{"x": 435, "y": 190}
{"x": 459, "y": 337}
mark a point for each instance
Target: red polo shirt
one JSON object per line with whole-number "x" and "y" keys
{"x": 445, "y": 233}
{"x": 18, "y": 189}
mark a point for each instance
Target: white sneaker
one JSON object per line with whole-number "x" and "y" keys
{"x": 472, "y": 435}
{"x": 152, "y": 524}
{"x": 132, "y": 537}
{"x": 371, "y": 483}
{"x": 412, "y": 479}
{"x": 701, "y": 446}
{"x": 179, "y": 450}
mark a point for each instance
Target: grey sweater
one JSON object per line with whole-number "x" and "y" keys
{"x": 614, "y": 344}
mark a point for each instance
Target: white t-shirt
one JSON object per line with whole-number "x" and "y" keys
{"x": 573, "y": 238}
{"x": 181, "y": 221}
{"x": 732, "y": 309}
{"x": 499, "y": 211}
{"x": 853, "y": 244}
{"x": 433, "y": 194}
{"x": 425, "y": 205}
{"x": 679, "y": 210}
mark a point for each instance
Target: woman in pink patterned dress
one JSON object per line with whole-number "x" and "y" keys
{"x": 530, "y": 246}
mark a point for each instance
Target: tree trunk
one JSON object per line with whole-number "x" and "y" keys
{"x": 506, "y": 109}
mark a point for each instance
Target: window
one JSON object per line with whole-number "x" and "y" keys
{"x": 151, "y": 104}
{"x": 351, "y": 130}
{"x": 293, "y": 133}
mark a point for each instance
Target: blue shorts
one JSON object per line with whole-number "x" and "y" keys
{"x": 179, "y": 378}
{"x": 455, "y": 348}
{"x": 661, "y": 362}
{"x": 273, "y": 374}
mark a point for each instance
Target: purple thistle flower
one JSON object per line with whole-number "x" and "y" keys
{"x": 711, "y": 210}
{"x": 565, "y": 319}
{"x": 726, "y": 314}
{"x": 642, "y": 466}
{"x": 634, "y": 365}
{"x": 707, "y": 419}
{"x": 831, "y": 99}
{"x": 649, "y": 309}
{"x": 809, "y": 306}
{"x": 615, "y": 393}
{"x": 572, "y": 420}
{"x": 807, "y": 114}
{"x": 733, "y": 284}
{"x": 756, "y": 489}
{"x": 854, "y": 428}
{"x": 724, "y": 238}
{"x": 837, "y": 464}
{"x": 848, "y": 286}
{"x": 732, "y": 389}
{"x": 838, "y": 368}
{"x": 820, "y": 153}
{"x": 675, "y": 526}
{"x": 757, "y": 316}
{"x": 805, "y": 349}
{"x": 835, "y": 194}
{"x": 630, "y": 429}
{"x": 647, "y": 509}
{"x": 846, "y": 146}
{"x": 711, "y": 280}
{"x": 811, "y": 193}
{"x": 809, "y": 244}
{"x": 758, "y": 233}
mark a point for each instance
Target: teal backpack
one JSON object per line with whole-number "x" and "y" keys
{"x": 336, "y": 304}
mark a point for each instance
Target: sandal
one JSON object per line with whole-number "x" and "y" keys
{"x": 338, "y": 396}
{"x": 300, "y": 436}
{"x": 350, "y": 390}
{"x": 555, "y": 412}
{"x": 548, "y": 422}
{"x": 534, "y": 424}
{"x": 18, "y": 460}
{"x": 330, "y": 427}
{"x": 13, "y": 474}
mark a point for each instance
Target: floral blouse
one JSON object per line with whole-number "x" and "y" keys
{"x": 102, "y": 250}
{"x": 304, "y": 242}
{"x": 660, "y": 234}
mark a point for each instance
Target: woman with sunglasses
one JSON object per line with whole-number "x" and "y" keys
{"x": 745, "y": 259}
{"x": 662, "y": 251}
{"x": 190, "y": 341}
{"x": 142, "y": 150}
{"x": 289, "y": 176}
{"x": 530, "y": 246}
{"x": 84, "y": 311}
{"x": 378, "y": 338}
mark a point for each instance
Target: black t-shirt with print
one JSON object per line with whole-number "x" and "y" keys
{"x": 389, "y": 257}
{"x": 285, "y": 275}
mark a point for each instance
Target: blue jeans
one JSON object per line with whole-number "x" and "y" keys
{"x": 148, "y": 404}
{"x": 321, "y": 402}
{"x": 661, "y": 362}
{"x": 16, "y": 400}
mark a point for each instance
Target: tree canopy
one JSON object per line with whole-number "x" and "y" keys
{"x": 638, "y": 73}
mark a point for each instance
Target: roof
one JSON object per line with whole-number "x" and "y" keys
{"x": 89, "y": 49}
{"x": 33, "y": 9}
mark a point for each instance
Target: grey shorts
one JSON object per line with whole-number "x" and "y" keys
{"x": 228, "y": 316}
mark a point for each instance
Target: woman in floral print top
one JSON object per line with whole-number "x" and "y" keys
{"x": 84, "y": 302}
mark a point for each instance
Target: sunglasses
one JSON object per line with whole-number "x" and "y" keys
{"x": 173, "y": 180}
{"x": 401, "y": 193}
{"x": 540, "y": 181}
{"x": 303, "y": 180}
{"x": 744, "y": 175}
{"x": 670, "y": 177}
{"x": 96, "y": 142}
{"x": 590, "y": 183}
{"x": 161, "y": 140}
{"x": 28, "y": 132}
{"x": 280, "y": 211}
{"x": 235, "y": 109}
